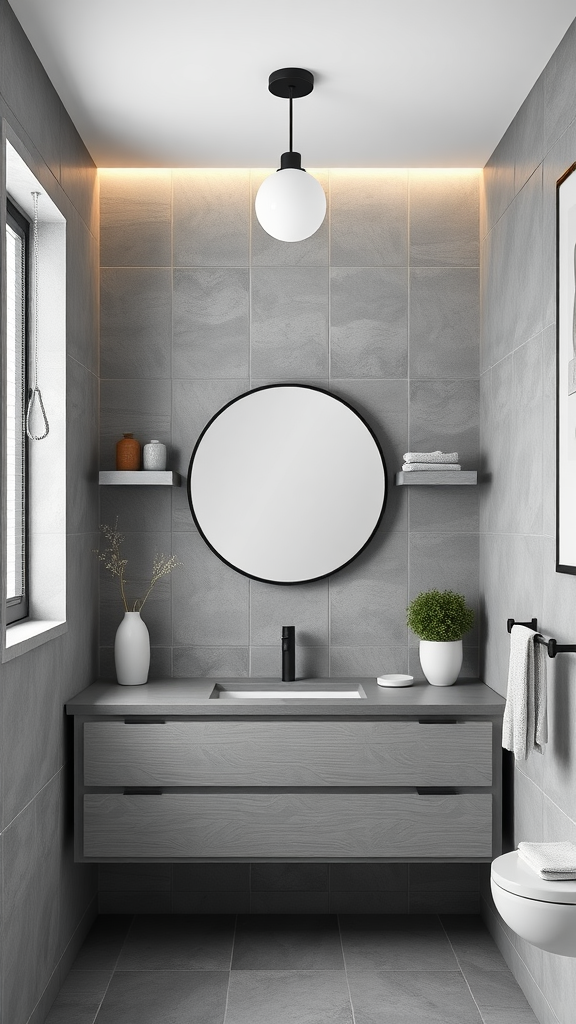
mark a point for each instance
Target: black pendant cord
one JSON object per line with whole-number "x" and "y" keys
{"x": 291, "y": 97}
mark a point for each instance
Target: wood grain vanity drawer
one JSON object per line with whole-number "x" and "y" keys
{"x": 299, "y": 753}
{"x": 286, "y": 825}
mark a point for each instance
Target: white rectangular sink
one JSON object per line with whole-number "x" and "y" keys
{"x": 269, "y": 693}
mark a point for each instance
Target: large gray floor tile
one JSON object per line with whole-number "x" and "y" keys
{"x": 411, "y": 997}
{"x": 178, "y": 943}
{"x": 287, "y": 943}
{"x": 472, "y": 943}
{"x": 396, "y": 943}
{"x": 497, "y": 990}
{"x": 165, "y": 997}
{"x": 288, "y": 997}
{"x": 79, "y": 998}
{"x": 103, "y": 944}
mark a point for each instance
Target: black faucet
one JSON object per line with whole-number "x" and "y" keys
{"x": 288, "y": 654}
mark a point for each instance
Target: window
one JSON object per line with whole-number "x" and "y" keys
{"x": 33, "y": 478}
{"x": 17, "y": 235}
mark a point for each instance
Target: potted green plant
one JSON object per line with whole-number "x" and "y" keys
{"x": 440, "y": 618}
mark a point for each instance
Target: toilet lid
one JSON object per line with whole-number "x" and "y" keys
{"x": 512, "y": 873}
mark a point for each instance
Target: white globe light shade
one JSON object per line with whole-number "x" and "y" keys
{"x": 290, "y": 205}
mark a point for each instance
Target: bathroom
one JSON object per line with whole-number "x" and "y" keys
{"x": 456, "y": 268}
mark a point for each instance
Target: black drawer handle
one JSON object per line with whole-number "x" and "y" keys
{"x": 142, "y": 791}
{"x": 436, "y": 791}
{"x": 437, "y": 721}
{"x": 144, "y": 720}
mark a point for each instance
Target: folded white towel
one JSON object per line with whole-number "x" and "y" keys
{"x": 425, "y": 467}
{"x": 525, "y": 728}
{"x": 553, "y": 861}
{"x": 431, "y": 457}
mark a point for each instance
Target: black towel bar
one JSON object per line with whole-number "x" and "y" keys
{"x": 553, "y": 646}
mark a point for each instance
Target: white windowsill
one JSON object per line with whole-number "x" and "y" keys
{"x": 25, "y": 636}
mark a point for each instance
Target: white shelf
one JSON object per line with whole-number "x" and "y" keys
{"x": 140, "y": 477}
{"x": 436, "y": 478}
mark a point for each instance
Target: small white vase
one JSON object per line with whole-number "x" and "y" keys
{"x": 154, "y": 455}
{"x": 132, "y": 650}
{"x": 441, "y": 661}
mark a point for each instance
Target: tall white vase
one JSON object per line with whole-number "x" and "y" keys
{"x": 132, "y": 650}
{"x": 441, "y": 661}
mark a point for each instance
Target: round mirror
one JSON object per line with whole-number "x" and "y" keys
{"x": 287, "y": 483}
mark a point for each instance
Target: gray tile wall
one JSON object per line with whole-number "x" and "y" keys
{"x": 381, "y": 306}
{"x": 48, "y": 902}
{"x": 518, "y": 450}
{"x": 290, "y": 888}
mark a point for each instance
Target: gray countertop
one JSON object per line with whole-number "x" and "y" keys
{"x": 468, "y": 697}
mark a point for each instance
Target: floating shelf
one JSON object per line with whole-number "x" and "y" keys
{"x": 140, "y": 477}
{"x": 436, "y": 478}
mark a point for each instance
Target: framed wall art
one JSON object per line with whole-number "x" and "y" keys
{"x": 566, "y": 372}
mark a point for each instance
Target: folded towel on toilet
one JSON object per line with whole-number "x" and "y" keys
{"x": 424, "y": 467}
{"x": 552, "y": 861}
{"x": 431, "y": 457}
{"x": 525, "y": 727}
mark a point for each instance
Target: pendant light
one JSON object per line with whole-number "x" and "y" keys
{"x": 290, "y": 204}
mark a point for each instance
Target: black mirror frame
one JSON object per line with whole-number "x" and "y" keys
{"x": 313, "y": 579}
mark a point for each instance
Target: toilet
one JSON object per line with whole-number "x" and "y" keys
{"x": 542, "y": 912}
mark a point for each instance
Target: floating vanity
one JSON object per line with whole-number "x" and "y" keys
{"x": 184, "y": 770}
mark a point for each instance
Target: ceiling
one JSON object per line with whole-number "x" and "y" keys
{"x": 419, "y": 83}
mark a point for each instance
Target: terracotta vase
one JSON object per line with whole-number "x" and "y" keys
{"x": 128, "y": 453}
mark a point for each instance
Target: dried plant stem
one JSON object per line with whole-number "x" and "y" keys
{"x": 116, "y": 565}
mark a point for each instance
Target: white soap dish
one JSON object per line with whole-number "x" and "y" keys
{"x": 395, "y": 680}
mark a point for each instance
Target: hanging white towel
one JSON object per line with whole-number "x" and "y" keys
{"x": 525, "y": 727}
{"x": 431, "y": 457}
{"x": 553, "y": 861}
{"x": 425, "y": 467}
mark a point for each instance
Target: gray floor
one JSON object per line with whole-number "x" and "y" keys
{"x": 290, "y": 970}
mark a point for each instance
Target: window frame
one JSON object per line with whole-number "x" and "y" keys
{"x": 17, "y": 608}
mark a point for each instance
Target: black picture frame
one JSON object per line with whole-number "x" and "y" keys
{"x": 566, "y": 372}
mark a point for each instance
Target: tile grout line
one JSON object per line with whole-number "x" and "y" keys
{"x": 460, "y": 968}
{"x": 230, "y": 969}
{"x": 113, "y": 971}
{"x": 345, "y": 969}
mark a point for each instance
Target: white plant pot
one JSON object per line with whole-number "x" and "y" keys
{"x": 441, "y": 661}
{"x": 132, "y": 650}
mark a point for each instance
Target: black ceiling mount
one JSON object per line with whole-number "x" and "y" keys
{"x": 300, "y": 81}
